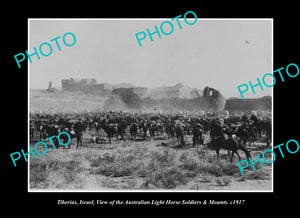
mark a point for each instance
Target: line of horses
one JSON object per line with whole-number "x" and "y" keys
{"x": 233, "y": 133}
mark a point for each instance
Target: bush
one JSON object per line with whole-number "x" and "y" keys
{"x": 162, "y": 158}
{"x": 203, "y": 163}
{"x": 230, "y": 169}
{"x": 257, "y": 174}
{"x": 38, "y": 176}
{"x": 210, "y": 168}
{"x": 121, "y": 164}
{"x": 223, "y": 181}
{"x": 167, "y": 178}
{"x": 190, "y": 161}
{"x": 50, "y": 171}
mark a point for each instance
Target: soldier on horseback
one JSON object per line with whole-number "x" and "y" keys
{"x": 224, "y": 138}
{"x": 197, "y": 135}
{"x": 218, "y": 129}
{"x": 179, "y": 132}
{"x": 79, "y": 127}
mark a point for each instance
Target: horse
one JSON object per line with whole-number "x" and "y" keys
{"x": 230, "y": 144}
{"x": 121, "y": 129}
{"x": 179, "y": 132}
{"x": 243, "y": 134}
{"x": 170, "y": 130}
{"x": 52, "y": 130}
{"x": 144, "y": 127}
{"x": 110, "y": 129}
{"x": 42, "y": 128}
{"x": 265, "y": 128}
{"x": 78, "y": 129}
{"x": 31, "y": 131}
{"x": 153, "y": 127}
{"x": 133, "y": 130}
{"x": 64, "y": 138}
{"x": 197, "y": 136}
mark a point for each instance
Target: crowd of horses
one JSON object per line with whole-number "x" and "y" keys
{"x": 231, "y": 132}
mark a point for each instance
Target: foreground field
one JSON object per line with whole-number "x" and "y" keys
{"x": 63, "y": 101}
{"x": 143, "y": 165}
{"x": 134, "y": 165}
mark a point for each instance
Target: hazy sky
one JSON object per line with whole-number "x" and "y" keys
{"x": 218, "y": 53}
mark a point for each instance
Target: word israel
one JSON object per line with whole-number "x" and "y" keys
{"x": 164, "y": 28}
{"x": 288, "y": 72}
{"x": 64, "y": 137}
{"x": 46, "y": 49}
{"x": 274, "y": 156}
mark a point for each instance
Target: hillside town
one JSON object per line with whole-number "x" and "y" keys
{"x": 104, "y": 89}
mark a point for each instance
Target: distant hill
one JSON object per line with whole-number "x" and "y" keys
{"x": 64, "y": 101}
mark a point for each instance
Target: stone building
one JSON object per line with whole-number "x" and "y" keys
{"x": 142, "y": 92}
{"x": 177, "y": 91}
{"x": 102, "y": 89}
{"x": 214, "y": 99}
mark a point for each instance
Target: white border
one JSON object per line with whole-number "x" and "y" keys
{"x": 145, "y": 191}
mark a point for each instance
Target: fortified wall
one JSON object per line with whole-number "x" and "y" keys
{"x": 249, "y": 104}
{"x": 168, "y": 98}
{"x": 105, "y": 89}
{"x": 214, "y": 99}
{"x": 86, "y": 86}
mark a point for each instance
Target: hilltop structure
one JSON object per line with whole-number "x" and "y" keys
{"x": 177, "y": 91}
{"x": 208, "y": 99}
{"x": 105, "y": 89}
{"x": 50, "y": 88}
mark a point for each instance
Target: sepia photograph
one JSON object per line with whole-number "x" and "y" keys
{"x": 150, "y": 105}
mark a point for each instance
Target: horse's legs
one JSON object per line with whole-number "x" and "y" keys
{"x": 78, "y": 142}
{"x": 234, "y": 152}
{"x": 182, "y": 140}
{"x": 41, "y": 135}
{"x": 231, "y": 156}
{"x": 217, "y": 151}
{"x": 194, "y": 141}
{"x": 237, "y": 153}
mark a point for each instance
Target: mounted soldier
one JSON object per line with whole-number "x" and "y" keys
{"x": 179, "y": 132}
{"x": 79, "y": 127}
{"x": 253, "y": 118}
{"x": 31, "y": 131}
{"x": 218, "y": 129}
{"x": 133, "y": 130}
